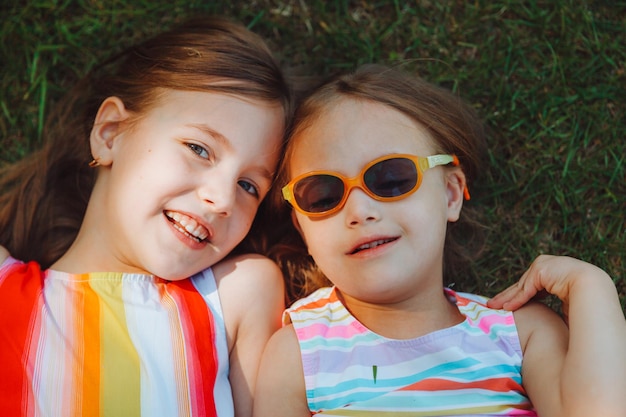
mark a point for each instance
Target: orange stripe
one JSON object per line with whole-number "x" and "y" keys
{"x": 322, "y": 302}
{"x": 90, "y": 332}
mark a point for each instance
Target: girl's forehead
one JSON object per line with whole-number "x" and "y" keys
{"x": 354, "y": 132}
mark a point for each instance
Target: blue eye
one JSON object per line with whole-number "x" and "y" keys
{"x": 198, "y": 150}
{"x": 249, "y": 187}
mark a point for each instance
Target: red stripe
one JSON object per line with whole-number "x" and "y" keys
{"x": 438, "y": 384}
{"x": 20, "y": 290}
{"x": 199, "y": 334}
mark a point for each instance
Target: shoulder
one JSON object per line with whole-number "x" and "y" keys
{"x": 250, "y": 288}
{"x": 249, "y": 281}
{"x": 544, "y": 338}
{"x": 284, "y": 340}
{"x": 248, "y": 275}
{"x": 538, "y": 325}
{"x": 283, "y": 391}
{"x": 282, "y": 352}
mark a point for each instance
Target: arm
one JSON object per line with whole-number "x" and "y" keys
{"x": 252, "y": 297}
{"x": 583, "y": 374}
{"x": 280, "y": 390}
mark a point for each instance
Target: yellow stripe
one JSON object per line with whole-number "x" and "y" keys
{"x": 119, "y": 366}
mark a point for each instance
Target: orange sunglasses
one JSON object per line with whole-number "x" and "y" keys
{"x": 388, "y": 178}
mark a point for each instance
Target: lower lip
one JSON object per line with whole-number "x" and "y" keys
{"x": 188, "y": 241}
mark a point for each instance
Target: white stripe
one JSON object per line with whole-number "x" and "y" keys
{"x": 50, "y": 376}
{"x": 149, "y": 326}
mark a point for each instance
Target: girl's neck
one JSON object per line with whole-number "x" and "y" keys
{"x": 408, "y": 319}
{"x": 87, "y": 255}
{"x": 92, "y": 250}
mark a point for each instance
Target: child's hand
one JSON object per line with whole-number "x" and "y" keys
{"x": 580, "y": 372}
{"x": 554, "y": 274}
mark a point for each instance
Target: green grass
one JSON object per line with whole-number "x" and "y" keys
{"x": 548, "y": 77}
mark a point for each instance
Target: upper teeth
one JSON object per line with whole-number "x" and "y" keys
{"x": 187, "y": 224}
{"x": 372, "y": 244}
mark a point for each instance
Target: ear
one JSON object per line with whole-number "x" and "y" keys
{"x": 107, "y": 126}
{"x": 455, "y": 190}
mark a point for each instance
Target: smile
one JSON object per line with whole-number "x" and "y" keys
{"x": 186, "y": 225}
{"x": 371, "y": 245}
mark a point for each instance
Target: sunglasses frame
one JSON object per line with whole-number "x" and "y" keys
{"x": 422, "y": 164}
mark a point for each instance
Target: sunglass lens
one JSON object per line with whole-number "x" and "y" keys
{"x": 318, "y": 193}
{"x": 391, "y": 177}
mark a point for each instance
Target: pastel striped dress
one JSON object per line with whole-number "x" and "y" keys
{"x": 110, "y": 344}
{"x": 471, "y": 369}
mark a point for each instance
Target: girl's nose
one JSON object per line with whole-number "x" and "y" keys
{"x": 360, "y": 208}
{"x": 219, "y": 194}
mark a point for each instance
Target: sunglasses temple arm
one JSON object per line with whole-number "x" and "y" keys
{"x": 435, "y": 160}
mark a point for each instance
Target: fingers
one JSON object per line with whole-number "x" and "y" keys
{"x": 514, "y": 296}
{"x": 503, "y": 297}
{"x": 511, "y": 299}
{"x": 518, "y": 294}
{"x": 555, "y": 275}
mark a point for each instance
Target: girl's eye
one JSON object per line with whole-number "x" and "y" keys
{"x": 249, "y": 188}
{"x": 198, "y": 150}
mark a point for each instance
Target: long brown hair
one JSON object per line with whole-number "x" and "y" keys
{"x": 44, "y": 196}
{"x": 453, "y": 126}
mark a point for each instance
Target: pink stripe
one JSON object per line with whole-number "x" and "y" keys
{"x": 336, "y": 331}
{"x": 487, "y": 322}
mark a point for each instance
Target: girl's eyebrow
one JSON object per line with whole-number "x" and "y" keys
{"x": 223, "y": 140}
{"x": 265, "y": 173}
{"x": 206, "y": 129}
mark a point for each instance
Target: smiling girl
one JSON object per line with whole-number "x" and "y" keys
{"x": 124, "y": 308}
{"x": 377, "y": 169}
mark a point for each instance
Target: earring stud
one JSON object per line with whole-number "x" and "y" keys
{"x": 94, "y": 163}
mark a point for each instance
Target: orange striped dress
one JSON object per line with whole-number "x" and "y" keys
{"x": 110, "y": 344}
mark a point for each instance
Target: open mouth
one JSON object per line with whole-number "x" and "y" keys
{"x": 371, "y": 245}
{"x": 187, "y": 226}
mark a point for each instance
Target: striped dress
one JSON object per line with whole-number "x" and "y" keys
{"x": 471, "y": 369}
{"x": 110, "y": 344}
